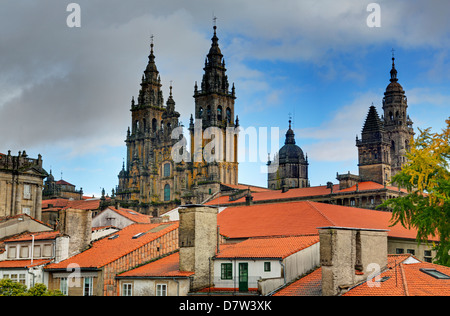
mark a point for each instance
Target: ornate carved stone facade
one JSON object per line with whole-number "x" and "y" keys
{"x": 21, "y": 183}
{"x": 152, "y": 181}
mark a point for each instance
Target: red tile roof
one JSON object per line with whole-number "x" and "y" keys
{"x": 165, "y": 267}
{"x": 63, "y": 182}
{"x": 37, "y": 236}
{"x": 297, "y": 193}
{"x": 272, "y": 247}
{"x": 23, "y": 263}
{"x": 91, "y": 204}
{"x": 302, "y": 218}
{"x": 246, "y": 187}
{"x": 276, "y": 195}
{"x": 131, "y": 215}
{"x": 405, "y": 279}
{"x": 309, "y": 285}
{"x": 110, "y": 249}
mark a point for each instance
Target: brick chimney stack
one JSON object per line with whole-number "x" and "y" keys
{"x": 198, "y": 242}
{"x": 349, "y": 255}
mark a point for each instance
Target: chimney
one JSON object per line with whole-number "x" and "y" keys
{"x": 197, "y": 236}
{"x": 249, "y": 198}
{"x": 349, "y": 255}
{"x": 77, "y": 224}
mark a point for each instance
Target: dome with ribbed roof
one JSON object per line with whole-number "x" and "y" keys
{"x": 290, "y": 152}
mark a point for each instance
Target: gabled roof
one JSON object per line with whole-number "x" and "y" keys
{"x": 405, "y": 278}
{"x": 265, "y": 248}
{"x": 63, "y": 182}
{"x": 50, "y": 235}
{"x": 165, "y": 267}
{"x": 402, "y": 278}
{"x": 129, "y": 214}
{"x": 302, "y": 218}
{"x": 112, "y": 248}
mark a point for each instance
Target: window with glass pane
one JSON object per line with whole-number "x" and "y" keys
{"x": 227, "y": 271}
{"x": 167, "y": 170}
{"x": 267, "y": 266}
{"x": 64, "y": 286}
{"x": 127, "y": 290}
{"x": 167, "y": 193}
{"x": 161, "y": 290}
{"x": 88, "y": 286}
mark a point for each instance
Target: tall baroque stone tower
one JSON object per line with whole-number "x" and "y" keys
{"x": 152, "y": 182}
{"x": 215, "y": 118}
{"x": 384, "y": 142}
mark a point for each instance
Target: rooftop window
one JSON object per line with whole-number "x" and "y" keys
{"x": 435, "y": 273}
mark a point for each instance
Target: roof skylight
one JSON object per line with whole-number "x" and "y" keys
{"x": 435, "y": 273}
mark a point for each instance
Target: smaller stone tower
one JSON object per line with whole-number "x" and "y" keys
{"x": 292, "y": 170}
{"x": 373, "y": 150}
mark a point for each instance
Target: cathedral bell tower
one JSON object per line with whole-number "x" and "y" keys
{"x": 214, "y": 108}
{"x": 397, "y": 123}
{"x": 385, "y": 141}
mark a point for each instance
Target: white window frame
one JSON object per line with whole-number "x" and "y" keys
{"x": 127, "y": 289}
{"x": 88, "y": 281}
{"x": 161, "y": 289}
{"x": 64, "y": 286}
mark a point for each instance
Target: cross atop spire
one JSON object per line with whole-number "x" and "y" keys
{"x": 393, "y": 70}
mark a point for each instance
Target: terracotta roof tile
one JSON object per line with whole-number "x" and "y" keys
{"x": 110, "y": 249}
{"x": 165, "y": 267}
{"x": 269, "y": 195}
{"x": 23, "y": 263}
{"x": 405, "y": 279}
{"x": 275, "y": 247}
{"x": 302, "y": 218}
{"x": 37, "y": 236}
{"x": 309, "y": 285}
{"x": 132, "y": 215}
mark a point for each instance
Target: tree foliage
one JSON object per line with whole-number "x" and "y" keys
{"x": 427, "y": 178}
{"x": 11, "y": 288}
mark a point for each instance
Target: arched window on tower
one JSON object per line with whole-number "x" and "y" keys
{"x": 154, "y": 125}
{"x": 391, "y": 116}
{"x": 228, "y": 115}
{"x": 208, "y": 113}
{"x": 200, "y": 112}
{"x": 167, "y": 170}
{"x": 166, "y": 193}
{"x": 219, "y": 113}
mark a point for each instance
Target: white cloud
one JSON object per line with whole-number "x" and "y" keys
{"x": 334, "y": 139}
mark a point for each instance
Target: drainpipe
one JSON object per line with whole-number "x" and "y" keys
{"x": 178, "y": 286}
{"x": 32, "y": 249}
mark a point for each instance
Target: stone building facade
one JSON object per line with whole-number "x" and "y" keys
{"x": 160, "y": 171}
{"x": 21, "y": 183}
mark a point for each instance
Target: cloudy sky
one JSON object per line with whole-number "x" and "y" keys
{"x": 65, "y": 92}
